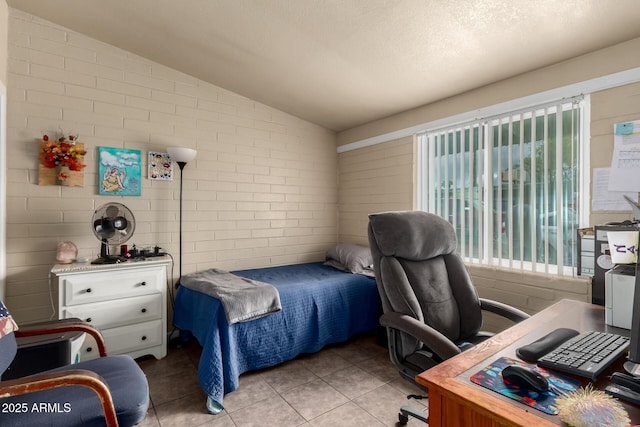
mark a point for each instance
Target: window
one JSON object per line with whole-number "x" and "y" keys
{"x": 510, "y": 185}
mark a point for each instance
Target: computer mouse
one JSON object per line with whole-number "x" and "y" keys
{"x": 526, "y": 377}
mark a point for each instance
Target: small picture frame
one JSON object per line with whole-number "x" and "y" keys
{"x": 160, "y": 166}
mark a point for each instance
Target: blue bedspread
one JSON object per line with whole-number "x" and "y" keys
{"x": 320, "y": 306}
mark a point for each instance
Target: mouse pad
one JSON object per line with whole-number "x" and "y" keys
{"x": 491, "y": 378}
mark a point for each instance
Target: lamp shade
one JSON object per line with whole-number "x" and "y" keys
{"x": 182, "y": 154}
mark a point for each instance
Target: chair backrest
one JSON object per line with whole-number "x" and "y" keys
{"x": 8, "y": 346}
{"x": 419, "y": 273}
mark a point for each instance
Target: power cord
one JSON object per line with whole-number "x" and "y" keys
{"x": 417, "y": 397}
{"x": 169, "y": 280}
{"x": 53, "y": 307}
{"x": 170, "y": 289}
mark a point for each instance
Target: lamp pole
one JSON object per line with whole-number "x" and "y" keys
{"x": 181, "y": 165}
{"x": 181, "y": 156}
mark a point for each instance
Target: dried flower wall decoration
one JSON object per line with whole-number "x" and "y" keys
{"x": 61, "y": 161}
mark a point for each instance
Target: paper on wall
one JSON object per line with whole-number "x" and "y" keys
{"x": 625, "y": 165}
{"x": 605, "y": 200}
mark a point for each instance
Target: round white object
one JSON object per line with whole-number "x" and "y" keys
{"x": 66, "y": 252}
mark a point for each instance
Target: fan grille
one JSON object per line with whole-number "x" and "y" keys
{"x": 113, "y": 224}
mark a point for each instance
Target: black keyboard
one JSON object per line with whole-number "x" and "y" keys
{"x": 587, "y": 354}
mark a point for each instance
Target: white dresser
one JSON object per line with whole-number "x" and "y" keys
{"x": 127, "y": 302}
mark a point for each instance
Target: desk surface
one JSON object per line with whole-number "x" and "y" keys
{"x": 454, "y": 400}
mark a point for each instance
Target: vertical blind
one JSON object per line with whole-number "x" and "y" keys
{"x": 509, "y": 184}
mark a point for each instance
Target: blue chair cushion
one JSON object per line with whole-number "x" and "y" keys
{"x": 8, "y": 349}
{"x": 80, "y": 406}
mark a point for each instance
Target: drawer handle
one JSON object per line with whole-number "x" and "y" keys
{"x": 88, "y": 290}
{"x": 144, "y": 338}
{"x": 143, "y": 284}
{"x": 144, "y": 310}
{"x": 89, "y": 319}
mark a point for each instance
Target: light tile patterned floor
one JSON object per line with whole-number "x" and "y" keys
{"x": 351, "y": 384}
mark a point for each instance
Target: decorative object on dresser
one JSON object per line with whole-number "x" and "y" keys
{"x": 127, "y": 302}
{"x": 181, "y": 156}
{"x": 113, "y": 224}
{"x": 66, "y": 252}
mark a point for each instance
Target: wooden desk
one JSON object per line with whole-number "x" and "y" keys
{"x": 455, "y": 401}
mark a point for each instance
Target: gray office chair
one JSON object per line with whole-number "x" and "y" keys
{"x": 431, "y": 310}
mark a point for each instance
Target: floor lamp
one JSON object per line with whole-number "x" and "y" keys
{"x": 181, "y": 156}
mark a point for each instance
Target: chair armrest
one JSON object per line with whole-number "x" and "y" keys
{"x": 503, "y": 310}
{"x": 437, "y": 342}
{"x": 78, "y": 377}
{"x": 63, "y": 325}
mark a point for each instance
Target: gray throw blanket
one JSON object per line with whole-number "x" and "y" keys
{"x": 243, "y": 299}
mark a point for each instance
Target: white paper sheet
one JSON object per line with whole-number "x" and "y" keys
{"x": 625, "y": 165}
{"x": 605, "y": 200}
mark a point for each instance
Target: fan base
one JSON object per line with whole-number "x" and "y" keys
{"x": 109, "y": 259}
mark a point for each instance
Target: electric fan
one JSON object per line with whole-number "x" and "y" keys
{"x": 113, "y": 224}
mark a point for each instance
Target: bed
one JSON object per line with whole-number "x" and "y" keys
{"x": 320, "y": 305}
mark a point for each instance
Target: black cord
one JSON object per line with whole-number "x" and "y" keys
{"x": 416, "y": 396}
{"x": 170, "y": 289}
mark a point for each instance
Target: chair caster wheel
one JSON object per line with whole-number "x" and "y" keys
{"x": 403, "y": 418}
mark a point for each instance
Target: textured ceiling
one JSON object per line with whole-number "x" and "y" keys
{"x": 342, "y": 63}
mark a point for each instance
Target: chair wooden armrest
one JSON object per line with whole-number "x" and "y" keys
{"x": 63, "y": 325}
{"x": 79, "y": 377}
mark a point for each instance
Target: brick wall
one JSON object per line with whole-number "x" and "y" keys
{"x": 373, "y": 179}
{"x": 609, "y": 107}
{"x": 262, "y": 190}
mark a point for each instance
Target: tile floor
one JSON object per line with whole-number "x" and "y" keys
{"x": 350, "y": 384}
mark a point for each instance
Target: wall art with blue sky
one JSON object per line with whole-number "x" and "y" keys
{"x": 119, "y": 171}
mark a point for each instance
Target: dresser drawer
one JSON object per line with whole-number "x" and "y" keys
{"x": 83, "y": 289}
{"x": 125, "y": 339}
{"x": 110, "y": 314}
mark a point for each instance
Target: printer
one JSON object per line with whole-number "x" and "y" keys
{"x": 619, "y": 285}
{"x": 622, "y": 242}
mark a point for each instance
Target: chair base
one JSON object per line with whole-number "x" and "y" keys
{"x": 408, "y": 411}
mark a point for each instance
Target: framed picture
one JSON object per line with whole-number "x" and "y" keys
{"x": 160, "y": 166}
{"x": 61, "y": 163}
{"x": 119, "y": 172}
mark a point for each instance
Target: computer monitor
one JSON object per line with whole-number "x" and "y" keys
{"x": 632, "y": 366}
